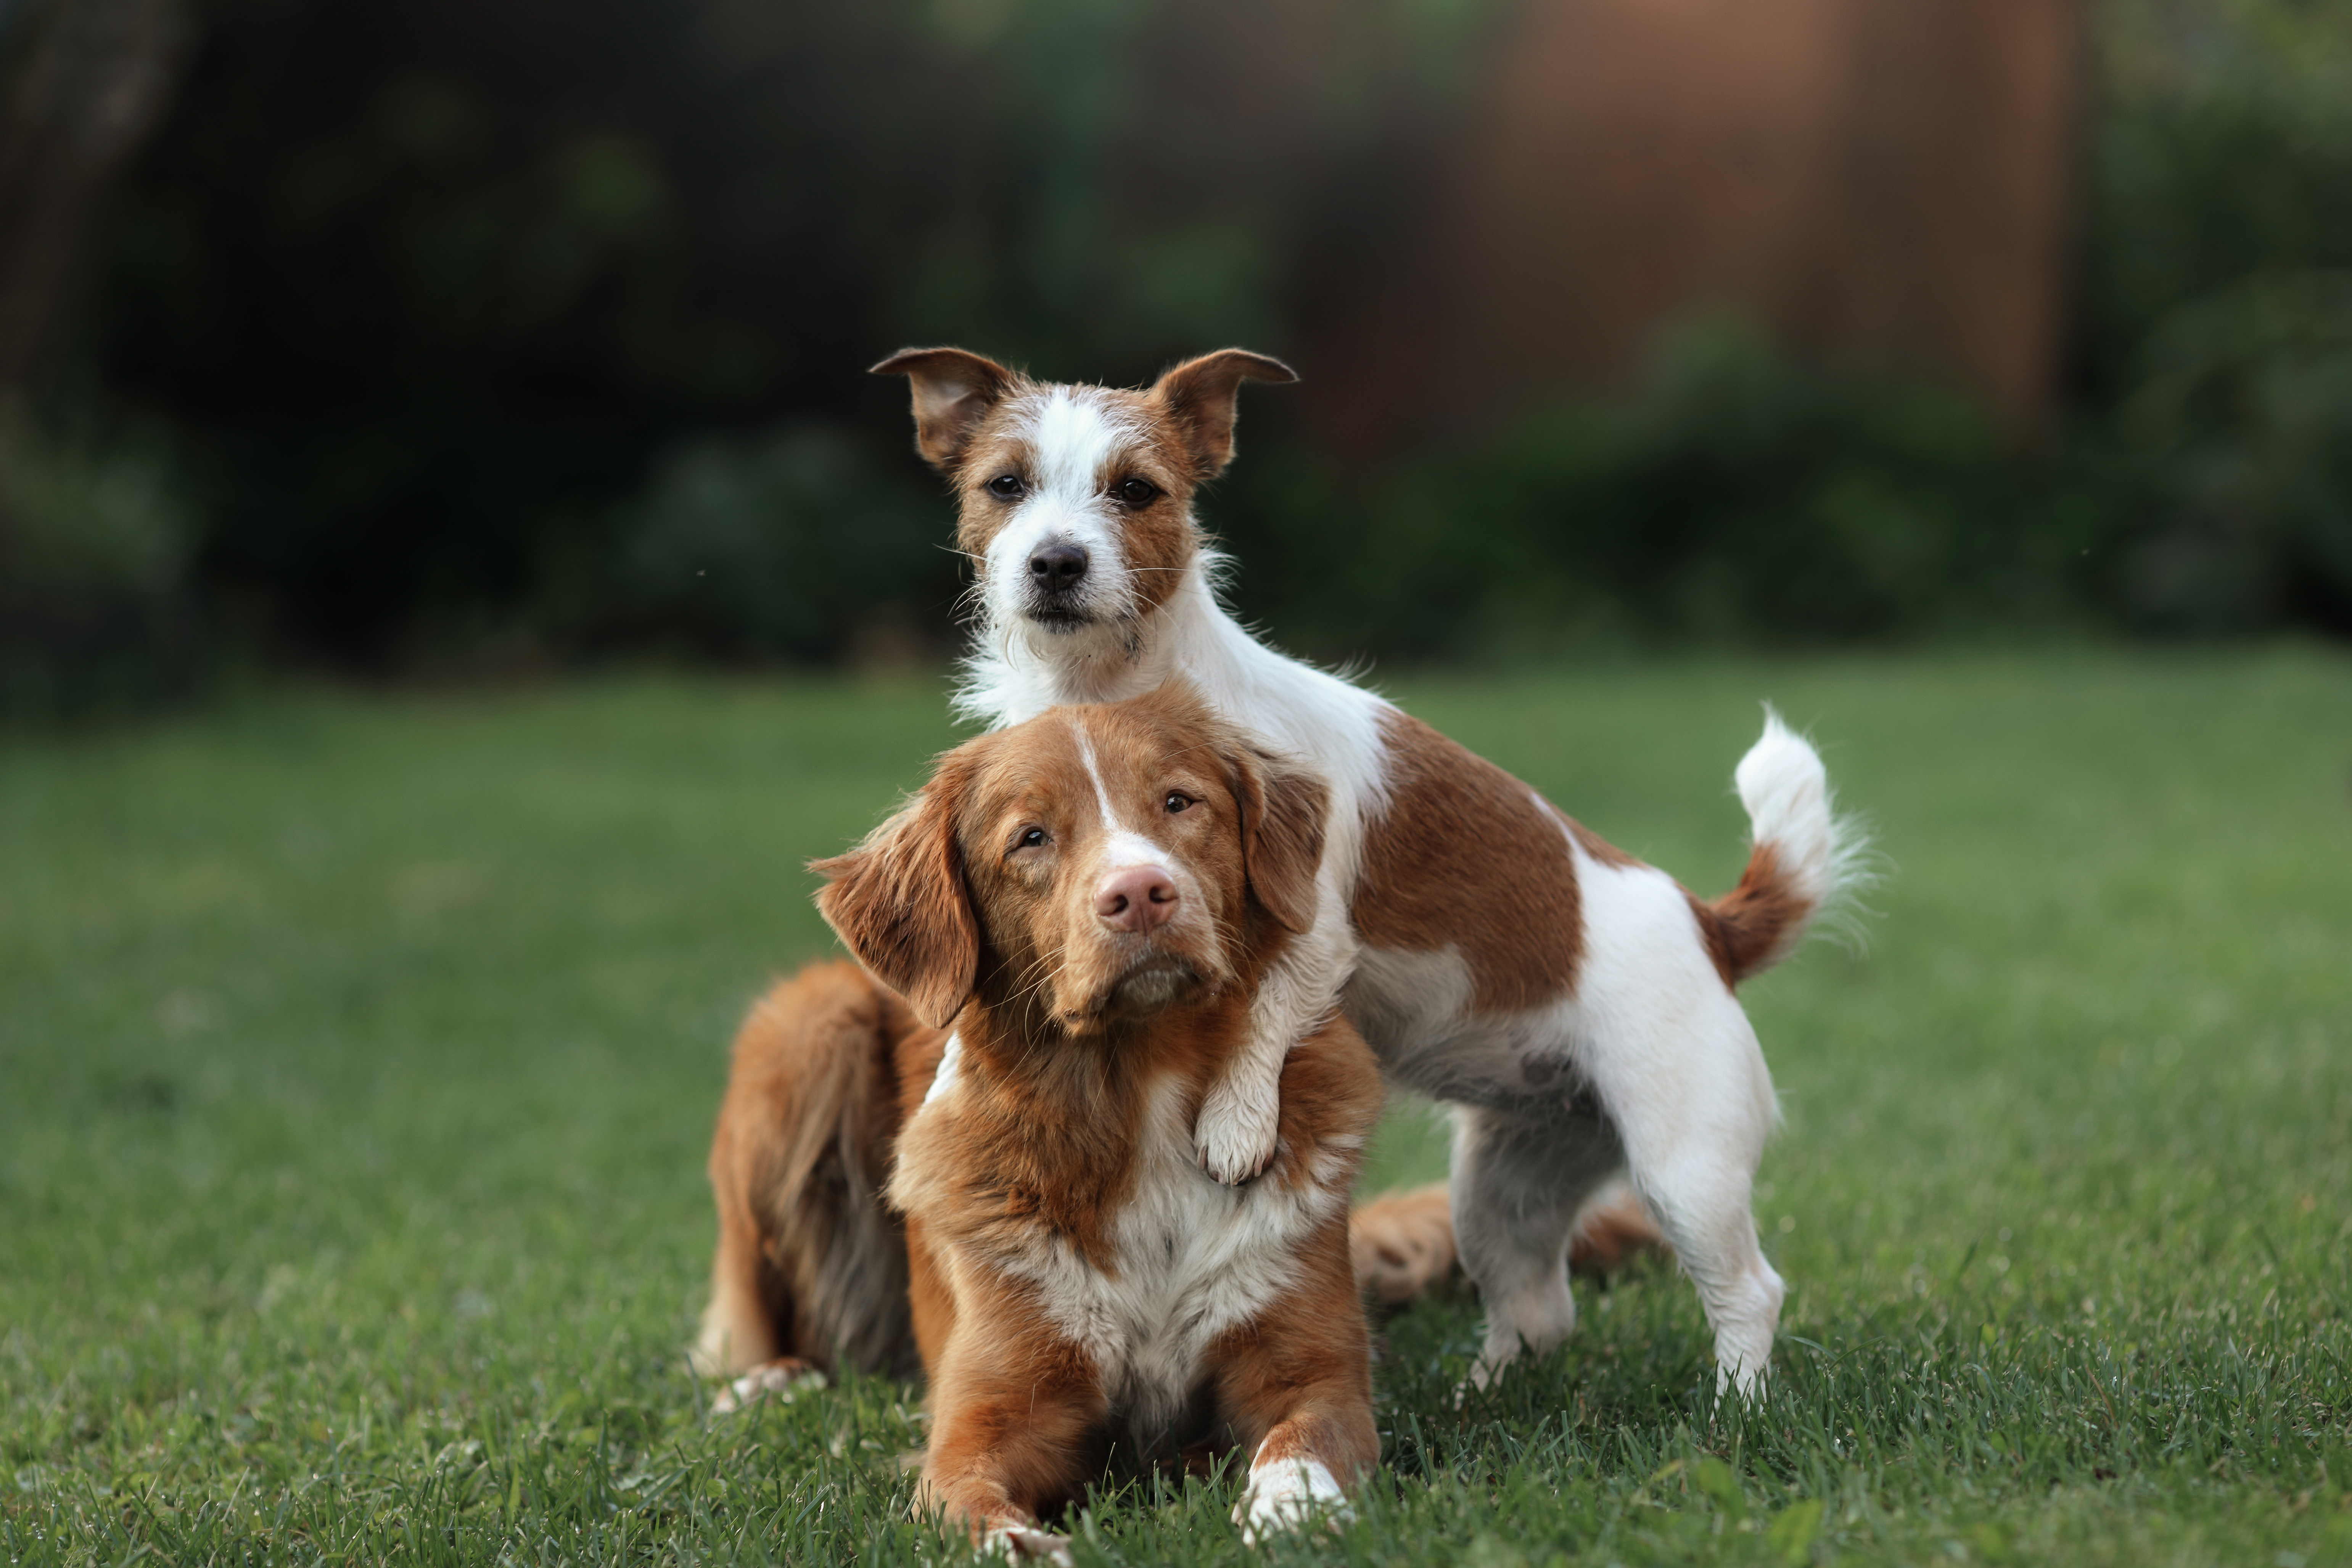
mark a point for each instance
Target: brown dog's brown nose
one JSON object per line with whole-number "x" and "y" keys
{"x": 1136, "y": 899}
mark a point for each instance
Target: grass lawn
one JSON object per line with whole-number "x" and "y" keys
{"x": 357, "y": 1056}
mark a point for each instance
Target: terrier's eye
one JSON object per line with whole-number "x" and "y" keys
{"x": 1177, "y": 802}
{"x": 1031, "y": 838}
{"x": 1006, "y": 487}
{"x": 1137, "y": 492}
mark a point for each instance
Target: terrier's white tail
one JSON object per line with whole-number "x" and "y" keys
{"x": 1807, "y": 860}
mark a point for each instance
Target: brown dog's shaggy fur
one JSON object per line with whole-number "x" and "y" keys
{"x": 1077, "y": 913}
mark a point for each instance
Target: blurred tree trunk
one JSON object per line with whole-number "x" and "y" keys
{"x": 1883, "y": 185}
{"x": 81, "y": 82}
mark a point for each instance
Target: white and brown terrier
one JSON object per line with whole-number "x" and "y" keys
{"x": 1090, "y": 902}
{"x": 1574, "y": 1005}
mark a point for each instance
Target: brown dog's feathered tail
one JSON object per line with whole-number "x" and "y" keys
{"x": 1402, "y": 1242}
{"x": 1613, "y": 1232}
{"x": 811, "y": 1266}
{"x": 1806, "y": 859}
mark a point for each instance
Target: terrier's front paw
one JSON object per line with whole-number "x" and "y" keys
{"x": 1234, "y": 1137}
{"x": 1285, "y": 1494}
{"x": 780, "y": 1379}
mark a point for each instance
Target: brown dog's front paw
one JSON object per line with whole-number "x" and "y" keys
{"x": 779, "y": 1379}
{"x": 1027, "y": 1543}
{"x": 1285, "y": 1495}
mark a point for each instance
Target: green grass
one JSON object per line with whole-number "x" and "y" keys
{"x": 357, "y": 1058}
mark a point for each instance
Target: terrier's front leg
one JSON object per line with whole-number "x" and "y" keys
{"x": 1234, "y": 1132}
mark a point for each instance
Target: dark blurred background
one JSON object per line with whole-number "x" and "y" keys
{"x": 419, "y": 337}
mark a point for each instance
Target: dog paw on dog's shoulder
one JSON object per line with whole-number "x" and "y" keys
{"x": 779, "y": 1380}
{"x": 1235, "y": 1140}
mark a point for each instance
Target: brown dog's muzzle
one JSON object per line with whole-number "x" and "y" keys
{"x": 1144, "y": 933}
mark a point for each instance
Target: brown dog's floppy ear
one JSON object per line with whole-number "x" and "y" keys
{"x": 954, "y": 390}
{"x": 898, "y": 899}
{"x": 1282, "y": 834}
{"x": 1200, "y": 394}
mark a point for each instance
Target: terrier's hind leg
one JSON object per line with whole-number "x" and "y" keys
{"x": 1705, "y": 1214}
{"x": 1692, "y": 1156}
{"x": 1518, "y": 1184}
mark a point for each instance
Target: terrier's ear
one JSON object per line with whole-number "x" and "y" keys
{"x": 954, "y": 390}
{"x": 1200, "y": 394}
{"x": 1282, "y": 834}
{"x": 899, "y": 900}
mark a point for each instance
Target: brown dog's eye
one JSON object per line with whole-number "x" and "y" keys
{"x": 1006, "y": 487}
{"x": 1031, "y": 838}
{"x": 1137, "y": 492}
{"x": 1177, "y": 802}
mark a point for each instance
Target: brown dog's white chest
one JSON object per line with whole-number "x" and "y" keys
{"x": 1187, "y": 1259}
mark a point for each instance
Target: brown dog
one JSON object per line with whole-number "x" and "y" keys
{"x": 1078, "y": 913}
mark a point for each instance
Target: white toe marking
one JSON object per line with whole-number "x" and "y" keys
{"x": 1283, "y": 1494}
{"x": 761, "y": 1383}
{"x": 1020, "y": 1544}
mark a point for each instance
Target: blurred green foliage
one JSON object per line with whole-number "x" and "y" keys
{"x": 95, "y": 538}
{"x": 2244, "y": 405}
{"x": 1737, "y": 499}
{"x": 449, "y": 302}
{"x": 793, "y": 545}
{"x": 2216, "y": 309}
{"x": 499, "y": 330}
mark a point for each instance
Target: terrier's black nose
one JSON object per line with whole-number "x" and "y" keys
{"x": 1057, "y": 568}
